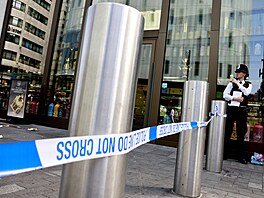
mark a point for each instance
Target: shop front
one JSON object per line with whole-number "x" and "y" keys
{"x": 206, "y": 42}
{"x": 183, "y": 40}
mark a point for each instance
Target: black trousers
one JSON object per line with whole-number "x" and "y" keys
{"x": 238, "y": 114}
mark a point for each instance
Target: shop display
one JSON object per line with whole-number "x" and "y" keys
{"x": 60, "y": 107}
{"x": 51, "y": 109}
{"x": 255, "y": 120}
{"x": 140, "y": 106}
{"x": 28, "y": 106}
{"x": 141, "y": 99}
{"x": 58, "y": 102}
{"x": 247, "y": 136}
{"x": 68, "y": 109}
{"x": 31, "y": 93}
{"x": 234, "y": 133}
{"x": 32, "y": 106}
{"x": 258, "y": 133}
{"x": 18, "y": 91}
{"x": 33, "y": 97}
{"x": 170, "y": 103}
{"x": 167, "y": 119}
{"x": 56, "y": 110}
{"x": 17, "y": 104}
{"x": 4, "y": 93}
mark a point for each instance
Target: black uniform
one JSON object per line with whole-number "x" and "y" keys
{"x": 238, "y": 114}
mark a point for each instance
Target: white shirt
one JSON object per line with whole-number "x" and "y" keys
{"x": 229, "y": 87}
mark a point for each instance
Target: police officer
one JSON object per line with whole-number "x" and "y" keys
{"x": 236, "y": 94}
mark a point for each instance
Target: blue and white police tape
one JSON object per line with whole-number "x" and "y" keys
{"x": 215, "y": 112}
{"x": 18, "y": 157}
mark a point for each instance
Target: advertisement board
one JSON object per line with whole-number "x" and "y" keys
{"x": 17, "y": 98}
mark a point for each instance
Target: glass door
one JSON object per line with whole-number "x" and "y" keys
{"x": 143, "y": 92}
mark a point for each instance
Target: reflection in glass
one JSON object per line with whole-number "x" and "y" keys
{"x": 28, "y": 33}
{"x": 188, "y": 34}
{"x": 241, "y": 38}
{"x": 142, "y": 86}
{"x": 64, "y": 61}
{"x": 150, "y": 9}
{"x": 187, "y": 53}
{"x": 241, "y": 41}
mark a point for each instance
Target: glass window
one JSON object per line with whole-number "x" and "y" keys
{"x": 12, "y": 38}
{"x": 15, "y": 21}
{"x": 43, "y": 4}
{"x": 64, "y": 61}
{"x": 34, "y": 30}
{"x": 10, "y": 55}
{"x": 188, "y": 36}
{"x": 35, "y": 14}
{"x": 19, "y": 5}
{"x": 29, "y": 61}
{"x": 140, "y": 111}
{"x": 187, "y": 53}
{"x": 20, "y": 66}
{"x": 241, "y": 41}
{"x": 150, "y": 9}
{"x": 32, "y": 46}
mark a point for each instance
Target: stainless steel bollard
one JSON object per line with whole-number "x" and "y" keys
{"x": 104, "y": 96}
{"x": 215, "y": 149}
{"x": 190, "y": 152}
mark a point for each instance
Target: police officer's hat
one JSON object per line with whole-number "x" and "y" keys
{"x": 242, "y": 68}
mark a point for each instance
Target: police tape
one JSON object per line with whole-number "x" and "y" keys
{"x": 19, "y": 157}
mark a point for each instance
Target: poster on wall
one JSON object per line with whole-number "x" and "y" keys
{"x": 17, "y": 98}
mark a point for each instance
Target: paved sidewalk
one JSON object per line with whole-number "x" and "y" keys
{"x": 150, "y": 172}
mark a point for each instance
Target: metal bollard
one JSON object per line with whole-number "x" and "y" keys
{"x": 190, "y": 152}
{"x": 214, "y": 157}
{"x": 104, "y": 97}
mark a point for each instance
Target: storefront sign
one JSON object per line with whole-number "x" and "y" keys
{"x": 17, "y": 98}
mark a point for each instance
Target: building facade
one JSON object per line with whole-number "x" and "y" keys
{"x": 183, "y": 40}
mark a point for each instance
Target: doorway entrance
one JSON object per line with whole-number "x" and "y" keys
{"x": 143, "y": 91}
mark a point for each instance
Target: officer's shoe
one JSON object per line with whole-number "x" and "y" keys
{"x": 242, "y": 161}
